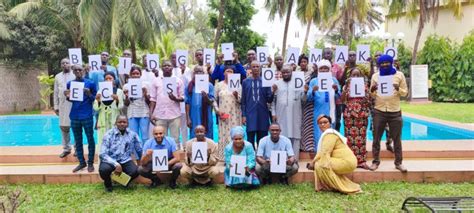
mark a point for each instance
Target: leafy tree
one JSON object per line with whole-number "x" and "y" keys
{"x": 280, "y": 8}
{"x": 464, "y": 70}
{"x": 237, "y": 17}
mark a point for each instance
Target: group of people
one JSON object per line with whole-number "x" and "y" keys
{"x": 298, "y": 120}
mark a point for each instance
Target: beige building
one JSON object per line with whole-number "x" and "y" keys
{"x": 447, "y": 26}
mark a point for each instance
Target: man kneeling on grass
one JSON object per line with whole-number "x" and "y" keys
{"x": 200, "y": 167}
{"x": 160, "y": 141}
{"x": 116, "y": 153}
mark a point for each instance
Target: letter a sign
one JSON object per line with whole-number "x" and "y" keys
{"x": 199, "y": 153}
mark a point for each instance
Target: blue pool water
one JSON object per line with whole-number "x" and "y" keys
{"x": 43, "y": 130}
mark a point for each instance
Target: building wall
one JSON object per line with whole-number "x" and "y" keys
{"x": 447, "y": 26}
{"x": 18, "y": 93}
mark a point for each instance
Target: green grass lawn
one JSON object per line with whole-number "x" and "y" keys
{"x": 387, "y": 197}
{"x": 459, "y": 112}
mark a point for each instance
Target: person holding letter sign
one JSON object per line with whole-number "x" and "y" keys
{"x": 219, "y": 71}
{"x": 138, "y": 112}
{"x": 116, "y": 152}
{"x": 62, "y": 107}
{"x": 81, "y": 116}
{"x": 333, "y": 161}
{"x": 324, "y": 102}
{"x": 275, "y": 142}
{"x": 228, "y": 109}
{"x": 287, "y": 106}
{"x": 255, "y": 99}
{"x": 165, "y": 102}
{"x": 200, "y": 173}
{"x": 160, "y": 141}
{"x": 108, "y": 110}
{"x": 387, "y": 109}
{"x": 199, "y": 105}
{"x": 356, "y": 97}
{"x": 240, "y": 174}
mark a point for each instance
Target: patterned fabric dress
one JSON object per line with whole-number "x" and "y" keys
{"x": 356, "y": 118}
{"x": 307, "y": 135}
{"x": 229, "y": 105}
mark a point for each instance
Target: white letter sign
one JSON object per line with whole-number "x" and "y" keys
{"x": 152, "y": 61}
{"x": 237, "y": 166}
{"x": 341, "y": 54}
{"x": 298, "y": 81}
{"x": 209, "y": 57}
{"x": 199, "y": 154}
{"x": 76, "y": 91}
{"x": 234, "y": 82}
{"x": 278, "y": 162}
{"x": 95, "y": 62}
{"x": 363, "y": 53}
{"x": 227, "y": 49}
{"x": 385, "y": 85}
{"x": 160, "y": 160}
{"x": 106, "y": 90}
{"x": 135, "y": 89}
{"x": 292, "y": 54}
{"x": 125, "y": 65}
{"x": 391, "y": 51}
{"x": 325, "y": 81}
{"x": 315, "y": 55}
{"x": 75, "y": 56}
{"x": 357, "y": 87}
{"x": 202, "y": 83}
{"x": 170, "y": 86}
{"x": 268, "y": 77}
{"x": 262, "y": 55}
{"x": 181, "y": 57}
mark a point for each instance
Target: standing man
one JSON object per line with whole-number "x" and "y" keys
{"x": 275, "y": 142}
{"x": 287, "y": 107}
{"x": 200, "y": 173}
{"x": 160, "y": 141}
{"x": 278, "y": 66}
{"x": 218, "y": 73}
{"x": 116, "y": 152}
{"x": 254, "y": 102}
{"x": 62, "y": 107}
{"x": 165, "y": 109}
{"x": 81, "y": 116}
{"x": 387, "y": 111}
{"x": 186, "y": 75}
{"x": 106, "y": 67}
{"x": 250, "y": 57}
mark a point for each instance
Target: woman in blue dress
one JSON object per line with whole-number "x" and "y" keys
{"x": 324, "y": 102}
{"x": 240, "y": 147}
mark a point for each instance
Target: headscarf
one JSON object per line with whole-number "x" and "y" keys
{"x": 386, "y": 71}
{"x": 329, "y": 96}
{"x": 238, "y": 130}
{"x": 324, "y": 63}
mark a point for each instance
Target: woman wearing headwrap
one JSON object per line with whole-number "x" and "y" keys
{"x": 108, "y": 110}
{"x": 324, "y": 102}
{"x": 333, "y": 161}
{"x": 228, "y": 111}
{"x": 240, "y": 147}
{"x": 387, "y": 110}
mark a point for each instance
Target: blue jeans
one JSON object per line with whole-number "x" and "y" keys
{"x": 77, "y": 126}
{"x": 140, "y": 125}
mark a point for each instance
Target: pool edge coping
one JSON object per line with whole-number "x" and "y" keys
{"x": 464, "y": 126}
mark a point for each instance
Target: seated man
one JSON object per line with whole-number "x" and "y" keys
{"x": 200, "y": 173}
{"x": 275, "y": 142}
{"x": 160, "y": 141}
{"x": 116, "y": 150}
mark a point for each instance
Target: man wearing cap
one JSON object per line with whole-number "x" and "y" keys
{"x": 387, "y": 111}
{"x": 81, "y": 118}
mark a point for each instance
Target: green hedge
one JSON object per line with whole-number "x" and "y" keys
{"x": 450, "y": 68}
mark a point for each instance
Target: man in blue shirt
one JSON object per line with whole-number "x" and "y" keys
{"x": 98, "y": 75}
{"x": 218, "y": 73}
{"x": 116, "y": 152}
{"x": 160, "y": 141}
{"x": 81, "y": 117}
{"x": 275, "y": 142}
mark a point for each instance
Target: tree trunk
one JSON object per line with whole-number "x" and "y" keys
{"x": 133, "y": 48}
{"x": 308, "y": 28}
{"x": 421, "y": 25}
{"x": 220, "y": 24}
{"x": 50, "y": 72}
{"x": 287, "y": 23}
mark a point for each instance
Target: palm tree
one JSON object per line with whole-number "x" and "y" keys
{"x": 280, "y": 7}
{"x": 60, "y": 15}
{"x": 220, "y": 24}
{"x": 346, "y": 15}
{"x": 167, "y": 44}
{"x": 122, "y": 23}
{"x": 307, "y": 12}
{"x": 425, "y": 11}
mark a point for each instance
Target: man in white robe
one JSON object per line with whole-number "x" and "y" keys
{"x": 62, "y": 107}
{"x": 287, "y": 106}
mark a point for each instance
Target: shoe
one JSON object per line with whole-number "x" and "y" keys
{"x": 363, "y": 166}
{"x": 173, "y": 184}
{"x": 373, "y": 167}
{"x": 401, "y": 168}
{"x": 90, "y": 168}
{"x": 64, "y": 154}
{"x": 389, "y": 147}
{"x": 155, "y": 183}
{"x": 284, "y": 181}
{"x": 208, "y": 184}
{"x": 108, "y": 189}
{"x": 79, "y": 167}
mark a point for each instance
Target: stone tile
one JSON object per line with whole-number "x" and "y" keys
{"x": 14, "y": 179}
{"x": 62, "y": 179}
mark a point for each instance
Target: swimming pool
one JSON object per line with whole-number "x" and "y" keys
{"x": 43, "y": 130}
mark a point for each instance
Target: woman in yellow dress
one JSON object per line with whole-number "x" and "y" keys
{"x": 333, "y": 161}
